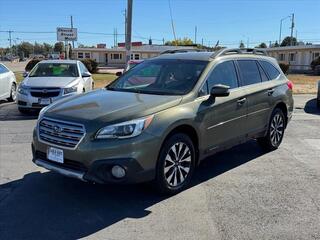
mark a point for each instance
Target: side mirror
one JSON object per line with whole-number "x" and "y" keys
{"x": 86, "y": 74}
{"x": 220, "y": 90}
{"x": 118, "y": 74}
{"x": 25, "y": 74}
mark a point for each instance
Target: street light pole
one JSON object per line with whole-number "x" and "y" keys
{"x": 281, "y": 27}
{"x": 128, "y": 31}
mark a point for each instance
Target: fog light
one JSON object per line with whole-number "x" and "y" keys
{"x": 118, "y": 171}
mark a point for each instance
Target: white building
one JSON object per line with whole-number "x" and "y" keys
{"x": 298, "y": 57}
{"x": 116, "y": 56}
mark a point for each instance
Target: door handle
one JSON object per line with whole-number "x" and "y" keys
{"x": 241, "y": 101}
{"x": 270, "y": 91}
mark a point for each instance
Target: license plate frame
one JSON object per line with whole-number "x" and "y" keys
{"x": 55, "y": 154}
{"x": 44, "y": 101}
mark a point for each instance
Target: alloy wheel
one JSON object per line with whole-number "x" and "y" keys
{"x": 13, "y": 92}
{"x": 276, "y": 129}
{"x": 177, "y": 164}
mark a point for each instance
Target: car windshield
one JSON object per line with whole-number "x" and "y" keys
{"x": 55, "y": 70}
{"x": 161, "y": 76}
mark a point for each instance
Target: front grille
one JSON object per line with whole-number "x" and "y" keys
{"x": 60, "y": 133}
{"x": 70, "y": 164}
{"x": 45, "y": 92}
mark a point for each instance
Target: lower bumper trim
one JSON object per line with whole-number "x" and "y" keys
{"x": 66, "y": 172}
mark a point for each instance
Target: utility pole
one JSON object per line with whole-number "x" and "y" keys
{"x": 292, "y": 26}
{"x": 172, "y": 25}
{"x": 116, "y": 36}
{"x": 128, "y": 30}
{"x": 195, "y": 35}
{"x": 10, "y": 41}
{"x": 71, "y": 21}
{"x": 162, "y": 41}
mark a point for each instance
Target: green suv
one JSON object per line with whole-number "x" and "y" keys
{"x": 159, "y": 120}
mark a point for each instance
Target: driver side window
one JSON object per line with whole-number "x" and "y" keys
{"x": 224, "y": 73}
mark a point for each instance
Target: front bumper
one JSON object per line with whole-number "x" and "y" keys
{"x": 30, "y": 102}
{"x": 93, "y": 160}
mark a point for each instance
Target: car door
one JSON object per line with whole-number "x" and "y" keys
{"x": 255, "y": 81}
{"x": 226, "y": 118}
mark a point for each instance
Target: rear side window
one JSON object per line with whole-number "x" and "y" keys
{"x": 272, "y": 72}
{"x": 263, "y": 75}
{"x": 249, "y": 72}
{"x": 224, "y": 73}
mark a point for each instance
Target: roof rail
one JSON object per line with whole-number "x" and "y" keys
{"x": 230, "y": 51}
{"x": 182, "y": 51}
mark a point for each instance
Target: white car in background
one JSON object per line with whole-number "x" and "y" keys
{"x": 51, "y": 80}
{"x": 8, "y": 84}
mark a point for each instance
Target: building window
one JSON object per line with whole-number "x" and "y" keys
{"x": 292, "y": 57}
{"x": 315, "y": 55}
{"x": 135, "y": 56}
{"x": 116, "y": 56}
{"x": 282, "y": 57}
{"x": 87, "y": 55}
{"x": 80, "y": 55}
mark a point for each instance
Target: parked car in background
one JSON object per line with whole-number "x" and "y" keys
{"x": 194, "y": 105}
{"x": 51, "y": 80}
{"x": 8, "y": 84}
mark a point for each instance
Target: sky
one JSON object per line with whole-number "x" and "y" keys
{"x": 226, "y": 21}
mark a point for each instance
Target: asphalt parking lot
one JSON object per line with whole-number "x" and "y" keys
{"x": 243, "y": 193}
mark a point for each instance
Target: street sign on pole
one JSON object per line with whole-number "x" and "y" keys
{"x": 67, "y": 34}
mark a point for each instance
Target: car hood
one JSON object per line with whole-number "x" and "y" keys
{"x": 104, "y": 106}
{"x": 49, "y": 81}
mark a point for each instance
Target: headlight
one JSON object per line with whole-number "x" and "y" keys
{"x": 23, "y": 89}
{"x": 70, "y": 89}
{"x": 125, "y": 129}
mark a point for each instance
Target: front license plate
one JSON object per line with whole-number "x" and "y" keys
{"x": 55, "y": 154}
{"x": 44, "y": 101}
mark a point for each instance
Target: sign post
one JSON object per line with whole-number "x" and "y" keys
{"x": 65, "y": 35}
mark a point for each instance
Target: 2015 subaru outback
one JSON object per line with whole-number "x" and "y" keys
{"x": 159, "y": 120}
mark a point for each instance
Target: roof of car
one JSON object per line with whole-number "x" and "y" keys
{"x": 204, "y": 56}
{"x": 60, "y": 61}
{"x": 209, "y": 56}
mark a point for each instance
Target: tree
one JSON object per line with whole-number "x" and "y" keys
{"x": 287, "y": 41}
{"x": 241, "y": 45}
{"x": 38, "y": 48}
{"x": 276, "y": 44}
{"x": 25, "y": 49}
{"x": 262, "y": 45}
{"x": 180, "y": 42}
{"x": 58, "y": 47}
{"x": 48, "y": 48}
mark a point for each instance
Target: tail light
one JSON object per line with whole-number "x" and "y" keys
{"x": 290, "y": 85}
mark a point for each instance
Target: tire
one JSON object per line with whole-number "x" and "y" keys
{"x": 13, "y": 93}
{"x": 174, "y": 171}
{"x": 275, "y": 132}
{"x": 24, "y": 111}
{"x": 318, "y": 102}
